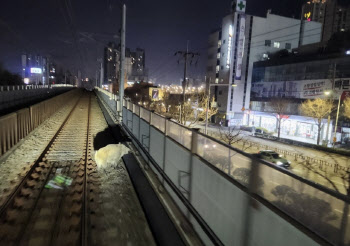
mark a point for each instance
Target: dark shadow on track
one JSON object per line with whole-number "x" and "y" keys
{"x": 102, "y": 139}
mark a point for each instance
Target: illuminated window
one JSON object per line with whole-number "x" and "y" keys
{"x": 265, "y": 56}
{"x": 217, "y": 68}
{"x": 218, "y": 56}
{"x": 276, "y": 45}
{"x": 216, "y": 80}
{"x": 219, "y": 44}
{"x": 268, "y": 43}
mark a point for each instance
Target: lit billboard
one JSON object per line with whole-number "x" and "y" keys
{"x": 36, "y": 70}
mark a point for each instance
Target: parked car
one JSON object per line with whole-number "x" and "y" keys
{"x": 273, "y": 157}
{"x": 263, "y": 133}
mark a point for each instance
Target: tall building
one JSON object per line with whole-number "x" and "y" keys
{"x": 138, "y": 71}
{"x": 333, "y": 14}
{"x": 111, "y": 63}
{"x": 35, "y": 69}
{"x": 135, "y": 70}
{"x": 242, "y": 40}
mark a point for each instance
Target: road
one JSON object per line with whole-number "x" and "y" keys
{"x": 333, "y": 180}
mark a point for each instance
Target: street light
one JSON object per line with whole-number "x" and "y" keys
{"x": 206, "y": 114}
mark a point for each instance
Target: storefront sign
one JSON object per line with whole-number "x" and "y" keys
{"x": 229, "y": 47}
{"x": 305, "y": 89}
{"x": 313, "y": 89}
{"x": 240, "y": 48}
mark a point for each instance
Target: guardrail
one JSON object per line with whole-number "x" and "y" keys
{"x": 17, "y": 125}
{"x": 242, "y": 201}
{"x": 30, "y": 87}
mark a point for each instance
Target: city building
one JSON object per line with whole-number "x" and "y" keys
{"x": 35, "y": 69}
{"x": 111, "y": 63}
{"x": 297, "y": 78}
{"x": 333, "y": 14}
{"x": 138, "y": 71}
{"x": 135, "y": 70}
{"x": 242, "y": 40}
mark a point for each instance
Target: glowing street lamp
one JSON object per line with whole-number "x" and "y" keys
{"x": 206, "y": 114}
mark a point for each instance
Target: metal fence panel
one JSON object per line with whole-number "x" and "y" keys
{"x": 180, "y": 134}
{"x": 137, "y": 110}
{"x": 144, "y": 133}
{"x": 129, "y": 119}
{"x": 158, "y": 122}
{"x": 269, "y": 229}
{"x": 125, "y": 116}
{"x": 145, "y": 114}
{"x": 157, "y": 146}
{"x": 315, "y": 209}
{"x": 23, "y": 122}
{"x": 8, "y": 132}
{"x": 219, "y": 202}
{"x": 177, "y": 165}
{"x": 135, "y": 126}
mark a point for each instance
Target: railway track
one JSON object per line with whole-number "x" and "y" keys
{"x": 50, "y": 204}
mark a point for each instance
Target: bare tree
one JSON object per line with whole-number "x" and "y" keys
{"x": 318, "y": 109}
{"x": 233, "y": 136}
{"x": 347, "y": 107}
{"x": 230, "y": 136}
{"x": 279, "y": 107}
{"x": 192, "y": 111}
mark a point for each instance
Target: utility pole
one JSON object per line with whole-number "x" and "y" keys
{"x": 101, "y": 75}
{"x": 184, "y": 82}
{"x": 186, "y": 55}
{"x": 96, "y": 78}
{"x": 207, "y": 108}
{"x": 329, "y": 115}
{"x": 122, "y": 63}
{"x": 48, "y": 72}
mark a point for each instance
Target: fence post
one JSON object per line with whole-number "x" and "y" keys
{"x": 149, "y": 131}
{"x": 251, "y": 203}
{"x": 164, "y": 144}
{"x": 139, "y": 136}
{"x": 194, "y": 150}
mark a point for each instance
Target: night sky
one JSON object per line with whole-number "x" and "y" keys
{"x": 161, "y": 27}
